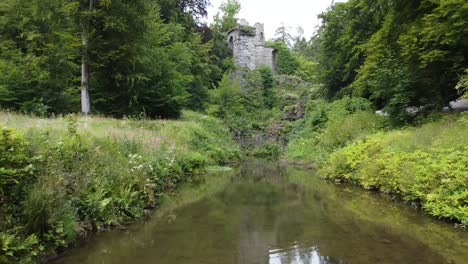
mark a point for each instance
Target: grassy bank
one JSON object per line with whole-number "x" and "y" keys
{"x": 426, "y": 165}
{"x": 63, "y": 178}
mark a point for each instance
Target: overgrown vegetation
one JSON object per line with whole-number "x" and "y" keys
{"x": 331, "y": 126}
{"x": 143, "y": 56}
{"x": 259, "y": 109}
{"x": 61, "y": 179}
{"x": 407, "y": 60}
{"x": 427, "y": 165}
{"x": 396, "y": 53}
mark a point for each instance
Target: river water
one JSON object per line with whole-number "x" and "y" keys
{"x": 265, "y": 213}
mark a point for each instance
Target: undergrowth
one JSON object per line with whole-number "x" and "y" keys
{"x": 327, "y": 127}
{"x": 61, "y": 179}
{"x": 427, "y": 165}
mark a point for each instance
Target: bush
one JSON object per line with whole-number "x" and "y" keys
{"x": 286, "y": 62}
{"x": 345, "y": 129}
{"x": 15, "y": 167}
{"x": 63, "y": 181}
{"x": 35, "y": 107}
{"x": 267, "y": 150}
{"x": 226, "y": 99}
{"x": 247, "y": 107}
{"x": 330, "y": 126}
{"x": 16, "y": 249}
{"x": 425, "y": 165}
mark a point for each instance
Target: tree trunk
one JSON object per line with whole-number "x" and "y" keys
{"x": 85, "y": 101}
{"x": 85, "y": 104}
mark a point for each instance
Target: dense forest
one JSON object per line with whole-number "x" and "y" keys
{"x": 156, "y": 57}
{"x": 167, "y": 101}
{"x": 396, "y": 53}
{"x": 143, "y": 57}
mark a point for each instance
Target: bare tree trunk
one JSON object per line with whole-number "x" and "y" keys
{"x": 85, "y": 104}
{"x": 85, "y": 101}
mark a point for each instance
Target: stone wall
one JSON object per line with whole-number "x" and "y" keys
{"x": 249, "y": 48}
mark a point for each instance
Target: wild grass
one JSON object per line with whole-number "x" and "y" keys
{"x": 64, "y": 177}
{"x": 426, "y": 165}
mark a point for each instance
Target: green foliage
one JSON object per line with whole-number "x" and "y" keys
{"x": 15, "y": 165}
{"x": 138, "y": 62}
{"x": 267, "y": 83}
{"x": 425, "y": 165}
{"x": 307, "y": 69}
{"x": 331, "y": 126}
{"x": 250, "y": 111}
{"x": 156, "y": 67}
{"x": 346, "y": 27}
{"x": 267, "y": 150}
{"x": 223, "y": 22}
{"x": 462, "y": 85}
{"x": 286, "y": 62}
{"x": 35, "y": 107}
{"x": 392, "y": 87}
{"x": 17, "y": 250}
{"x": 345, "y": 129}
{"x": 226, "y": 99}
{"x": 397, "y": 54}
{"x": 62, "y": 179}
{"x": 38, "y": 56}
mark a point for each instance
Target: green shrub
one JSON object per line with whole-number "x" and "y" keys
{"x": 330, "y": 126}
{"x": 16, "y": 169}
{"x": 35, "y": 107}
{"x": 267, "y": 150}
{"x": 286, "y": 62}
{"x": 344, "y": 129}
{"x": 247, "y": 107}
{"x": 427, "y": 165}
{"x": 15, "y": 249}
{"x": 226, "y": 99}
{"x": 67, "y": 177}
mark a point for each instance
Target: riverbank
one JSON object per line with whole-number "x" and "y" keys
{"x": 64, "y": 178}
{"x": 426, "y": 164}
{"x": 264, "y": 212}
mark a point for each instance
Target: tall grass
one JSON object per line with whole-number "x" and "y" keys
{"x": 65, "y": 177}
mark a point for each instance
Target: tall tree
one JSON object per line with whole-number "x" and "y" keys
{"x": 38, "y": 56}
{"x": 85, "y": 25}
{"x": 282, "y": 34}
{"x": 132, "y": 59}
{"x": 300, "y": 43}
{"x": 225, "y": 20}
{"x": 397, "y": 53}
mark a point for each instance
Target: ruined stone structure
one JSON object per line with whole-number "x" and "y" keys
{"x": 249, "y": 47}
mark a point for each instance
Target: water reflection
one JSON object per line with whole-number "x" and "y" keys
{"x": 264, "y": 213}
{"x": 297, "y": 255}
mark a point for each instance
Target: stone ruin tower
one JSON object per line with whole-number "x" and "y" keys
{"x": 249, "y": 46}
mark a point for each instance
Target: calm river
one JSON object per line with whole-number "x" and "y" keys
{"x": 265, "y": 213}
